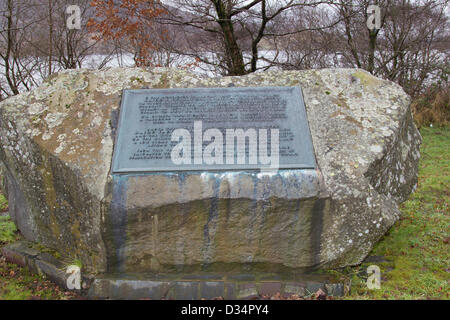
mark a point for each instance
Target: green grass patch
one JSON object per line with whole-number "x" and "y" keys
{"x": 20, "y": 284}
{"x": 3, "y": 203}
{"x": 416, "y": 249}
{"x": 8, "y": 231}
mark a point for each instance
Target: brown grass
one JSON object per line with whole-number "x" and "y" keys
{"x": 432, "y": 108}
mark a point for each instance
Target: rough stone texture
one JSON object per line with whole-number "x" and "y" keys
{"x": 56, "y": 149}
{"x": 108, "y": 288}
{"x": 210, "y": 222}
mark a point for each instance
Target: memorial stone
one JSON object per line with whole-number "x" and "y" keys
{"x": 88, "y": 173}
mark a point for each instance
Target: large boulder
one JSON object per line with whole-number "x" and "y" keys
{"x": 56, "y": 151}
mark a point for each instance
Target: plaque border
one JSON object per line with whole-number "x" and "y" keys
{"x": 296, "y": 90}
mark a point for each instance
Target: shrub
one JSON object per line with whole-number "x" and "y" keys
{"x": 432, "y": 107}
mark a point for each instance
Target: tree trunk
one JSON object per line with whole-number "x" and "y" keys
{"x": 372, "y": 47}
{"x": 12, "y": 84}
{"x": 50, "y": 36}
{"x": 232, "y": 50}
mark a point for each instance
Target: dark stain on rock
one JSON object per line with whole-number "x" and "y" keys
{"x": 117, "y": 221}
{"x": 114, "y": 123}
{"x": 212, "y": 218}
{"x": 316, "y": 230}
{"x": 19, "y": 209}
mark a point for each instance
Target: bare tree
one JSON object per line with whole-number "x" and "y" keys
{"x": 35, "y": 41}
{"x": 404, "y": 49}
{"x": 16, "y": 19}
{"x": 313, "y": 47}
{"x": 416, "y": 44}
{"x": 67, "y": 47}
{"x": 72, "y": 46}
{"x": 219, "y": 32}
{"x": 235, "y": 37}
{"x": 358, "y": 43}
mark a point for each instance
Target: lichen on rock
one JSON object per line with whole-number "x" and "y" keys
{"x": 56, "y": 150}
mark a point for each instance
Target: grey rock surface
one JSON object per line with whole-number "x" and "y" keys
{"x": 56, "y": 149}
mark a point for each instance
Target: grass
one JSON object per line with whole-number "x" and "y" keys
{"x": 3, "y": 203}
{"x": 18, "y": 283}
{"x": 8, "y": 231}
{"x": 415, "y": 252}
